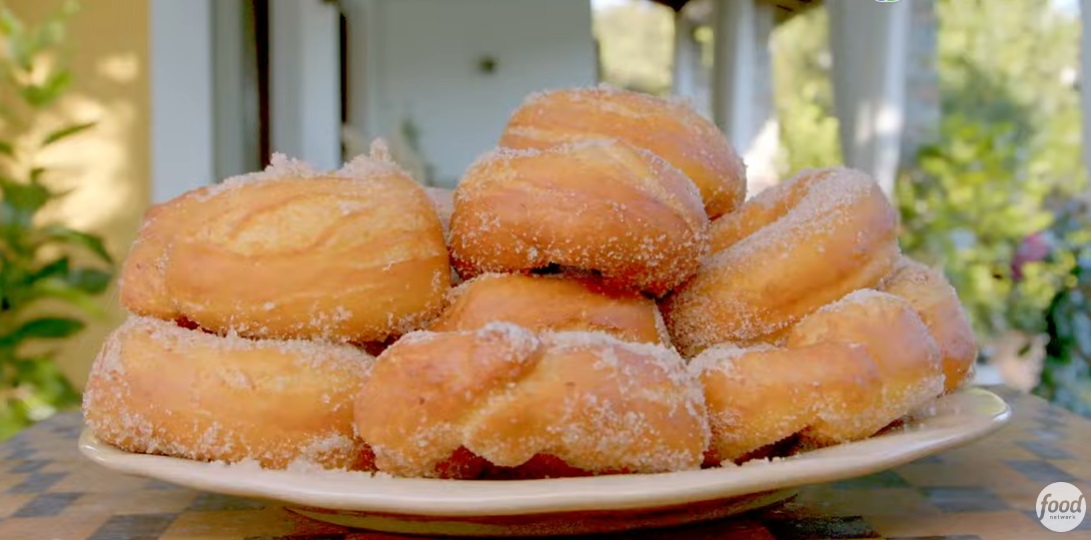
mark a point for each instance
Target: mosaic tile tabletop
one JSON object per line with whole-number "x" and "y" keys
{"x": 985, "y": 491}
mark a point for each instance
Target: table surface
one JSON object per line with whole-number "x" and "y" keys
{"x": 986, "y": 490}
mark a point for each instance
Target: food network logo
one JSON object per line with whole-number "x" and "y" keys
{"x": 1061, "y": 507}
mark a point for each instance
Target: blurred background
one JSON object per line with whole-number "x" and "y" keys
{"x": 970, "y": 113}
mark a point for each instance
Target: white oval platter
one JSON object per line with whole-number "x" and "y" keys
{"x": 571, "y": 505}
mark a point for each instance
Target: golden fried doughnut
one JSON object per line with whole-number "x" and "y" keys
{"x": 141, "y": 285}
{"x": 894, "y": 336}
{"x": 938, "y": 305}
{"x": 668, "y": 128}
{"x": 598, "y": 206}
{"x": 788, "y": 251}
{"x": 553, "y": 303}
{"x": 586, "y": 400}
{"x": 158, "y": 388}
{"x": 761, "y": 395}
{"x": 355, "y": 255}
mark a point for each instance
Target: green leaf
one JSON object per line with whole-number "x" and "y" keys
{"x": 20, "y": 202}
{"x": 88, "y": 241}
{"x": 70, "y": 8}
{"x": 19, "y": 48}
{"x": 66, "y": 132}
{"x": 90, "y": 280}
{"x": 59, "y": 267}
{"x": 49, "y": 34}
{"x": 43, "y": 95}
{"x": 7, "y": 149}
{"x": 10, "y": 24}
{"x": 49, "y": 328}
{"x": 61, "y": 290}
{"x": 42, "y": 328}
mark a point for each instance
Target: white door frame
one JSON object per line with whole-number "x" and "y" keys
{"x": 180, "y": 81}
{"x": 198, "y": 122}
{"x": 305, "y": 94}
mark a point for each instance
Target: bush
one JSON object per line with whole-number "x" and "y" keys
{"x": 41, "y": 282}
{"x": 1066, "y": 377}
{"x": 968, "y": 206}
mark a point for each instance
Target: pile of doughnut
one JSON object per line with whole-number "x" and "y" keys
{"x": 597, "y": 296}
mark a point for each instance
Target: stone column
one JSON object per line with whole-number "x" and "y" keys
{"x": 922, "y": 100}
{"x": 869, "y": 46}
{"x": 686, "y": 57}
{"x": 742, "y": 82}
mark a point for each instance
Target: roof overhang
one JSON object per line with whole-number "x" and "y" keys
{"x": 701, "y": 9}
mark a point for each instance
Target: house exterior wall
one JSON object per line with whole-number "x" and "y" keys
{"x": 109, "y": 166}
{"x": 423, "y": 68}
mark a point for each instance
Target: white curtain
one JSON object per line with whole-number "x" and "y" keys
{"x": 869, "y": 46}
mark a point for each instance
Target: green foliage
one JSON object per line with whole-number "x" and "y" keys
{"x": 636, "y": 45}
{"x": 1009, "y": 145}
{"x": 803, "y": 94}
{"x": 968, "y": 206}
{"x": 991, "y": 200}
{"x": 41, "y": 283}
{"x": 1008, "y": 62}
{"x": 1066, "y": 379}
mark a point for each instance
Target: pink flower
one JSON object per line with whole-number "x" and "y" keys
{"x": 1033, "y": 248}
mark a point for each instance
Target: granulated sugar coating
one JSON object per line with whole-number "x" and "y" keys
{"x": 906, "y": 358}
{"x": 593, "y": 402}
{"x": 554, "y": 302}
{"x": 594, "y": 298}
{"x": 376, "y": 165}
{"x": 595, "y": 205}
{"x": 786, "y": 252}
{"x": 356, "y": 255}
{"x": 762, "y": 395}
{"x": 669, "y": 128}
{"x": 937, "y": 303}
{"x": 158, "y": 388}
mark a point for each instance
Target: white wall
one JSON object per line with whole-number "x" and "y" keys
{"x": 181, "y": 96}
{"x": 423, "y": 64}
{"x": 304, "y": 94}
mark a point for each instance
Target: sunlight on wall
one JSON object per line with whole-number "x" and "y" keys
{"x": 108, "y": 166}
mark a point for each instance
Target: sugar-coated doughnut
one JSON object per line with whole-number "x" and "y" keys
{"x": 894, "y": 336}
{"x": 141, "y": 283}
{"x": 938, "y": 305}
{"x": 762, "y": 395}
{"x": 788, "y": 251}
{"x": 157, "y": 388}
{"x": 669, "y": 128}
{"x": 582, "y": 401}
{"x": 598, "y": 206}
{"x": 353, "y": 255}
{"x": 552, "y": 303}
